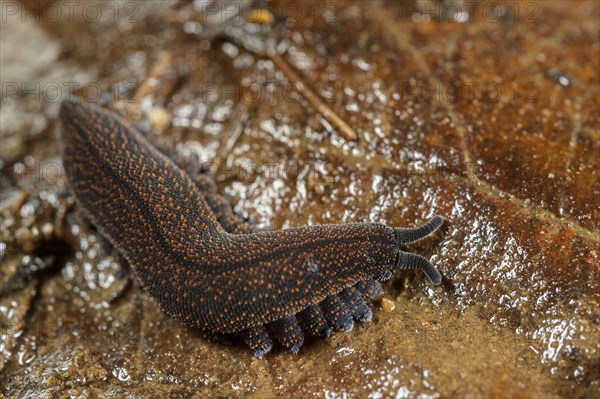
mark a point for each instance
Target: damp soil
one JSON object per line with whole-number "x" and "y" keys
{"x": 488, "y": 116}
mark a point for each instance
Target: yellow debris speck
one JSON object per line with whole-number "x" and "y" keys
{"x": 260, "y": 16}
{"x": 160, "y": 118}
{"x": 387, "y": 305}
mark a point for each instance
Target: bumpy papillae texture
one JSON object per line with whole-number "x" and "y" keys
{"x": 206, "y": 266}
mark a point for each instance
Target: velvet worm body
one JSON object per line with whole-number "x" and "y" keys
{"x": 208, "y": 268}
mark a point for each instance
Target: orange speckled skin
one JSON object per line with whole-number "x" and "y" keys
{"x": 158, "y": 219}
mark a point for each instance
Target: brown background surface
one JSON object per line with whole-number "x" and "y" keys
{"x": 492, "y": 122}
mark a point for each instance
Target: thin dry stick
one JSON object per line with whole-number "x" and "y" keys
{"x": 226, "y": 146}
{"x": 265, "y": 17}
{"x": 149, "y": 84}
{"x": 16, "y": 204}
{"x": 344, "y": 129}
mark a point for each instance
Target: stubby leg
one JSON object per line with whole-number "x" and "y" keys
{"x": 370, "y": 288}
{"x": 258, "y": 339}
{"x": 336, "y": 313}
{"x": 356, "y": 304}
{"x": 313, "y": 321}
{"x": 287, "y": 331}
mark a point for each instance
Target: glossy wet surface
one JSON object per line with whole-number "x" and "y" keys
{"x": 492, "y": 122}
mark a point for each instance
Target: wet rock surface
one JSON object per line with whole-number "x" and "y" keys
{"x": 491, "y": 121}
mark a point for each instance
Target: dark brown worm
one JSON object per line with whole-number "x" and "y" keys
{"x": 202, "y": 263}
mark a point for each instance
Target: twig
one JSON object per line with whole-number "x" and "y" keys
{"x": 149, "y": 84}
{"x": 313, "y": 99}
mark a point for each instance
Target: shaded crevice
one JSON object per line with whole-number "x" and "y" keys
{"x": 45, "y": 262}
